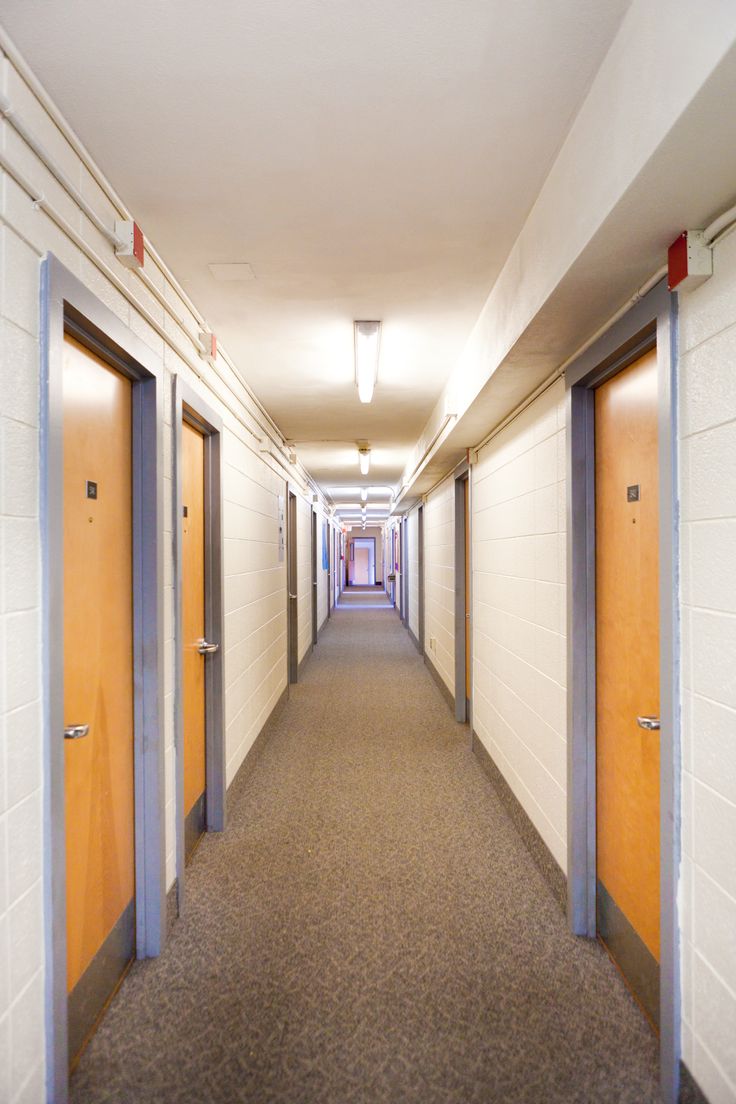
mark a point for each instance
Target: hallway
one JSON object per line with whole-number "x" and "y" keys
{"x": 370, "y": 926}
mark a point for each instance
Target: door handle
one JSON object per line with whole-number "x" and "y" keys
{"x": 207, "y": 649}
{"x": 292, "y": 595}
{"x": 651, "y": 724}
{"x": 75, "y": 732}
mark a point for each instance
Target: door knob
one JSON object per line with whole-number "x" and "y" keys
{"x": 207, "y": 649}
{"x": 75, "y": 732}
{"x": 651, "y": 724}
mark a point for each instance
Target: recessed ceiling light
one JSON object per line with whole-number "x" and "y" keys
{"x": 233, "y": 273}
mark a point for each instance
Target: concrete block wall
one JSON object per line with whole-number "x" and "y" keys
{"x": 439, "y": 580}
{"x": 254, "y": 584}
{"x": 519, "y": 643}
{"x": 707, "y": 389}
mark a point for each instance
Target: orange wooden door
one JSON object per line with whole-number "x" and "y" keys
{"x": 466, "y": 501}
{"x": 98, "y": 684}
{"x": 193, "y": 625}
{"x": 627, "y": 672}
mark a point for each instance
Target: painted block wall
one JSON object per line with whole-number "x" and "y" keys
{"x": 254, "y": 579}
{"x": 519, "y": 645}
{"x": 439, "y": 580}
{"x": 707, "y": 388}
{"x": 412, "y": 527}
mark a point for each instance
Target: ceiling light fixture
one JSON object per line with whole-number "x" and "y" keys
{"x": 364, "y": 458}
{"x": 367, "y": 345}
{"x": 364, "y": 495}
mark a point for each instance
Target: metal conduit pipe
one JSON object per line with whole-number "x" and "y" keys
{"x": 42, "y": 204}
{"x": 11, "y": 116}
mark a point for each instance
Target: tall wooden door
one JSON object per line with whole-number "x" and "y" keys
{"x": 466, "y": 523}
{"x": 627, "y": 674}
{"x": 98, "y": 685}
{"x": 292, "y": 613}
{"x": 193, "y": 635}
{"x": 315, "y": 610}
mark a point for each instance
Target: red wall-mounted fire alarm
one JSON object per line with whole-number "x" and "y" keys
{"x": 689, "y": 261}
{"x": 131, "y": 250}
{"x": 208, "y": 345}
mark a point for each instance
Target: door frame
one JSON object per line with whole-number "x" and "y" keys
{"x": 292, "y": 603}
{"x": 463, "y": 704}
{"x": 188, "y": 406}
{"x": 404, "y": 550}
{"x": 66, "y": 305}
{"x": 651, "y": 322}
{"x": 330, "y": 566}
{"x": 420, "y": 577}
{"x": 361, "y": 542}
{"x": 315, "y": 587}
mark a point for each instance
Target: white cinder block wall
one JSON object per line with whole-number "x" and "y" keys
{"x": 439, "y": 580}
{"x": 708, "y": 588}
{"x": 255, "y": 580}
{"x": 519, "y": 646}
{"x": 412, "y": 529}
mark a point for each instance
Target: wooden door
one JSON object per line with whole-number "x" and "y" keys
{"x": 193, "y": 634}
{"x": 291, "y": 587}
{"x": 98, "y": 685}
{"x": 466, "y": 523}
{"x": 627, "y": 674}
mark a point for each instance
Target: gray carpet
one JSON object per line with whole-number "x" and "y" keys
{"x": 370, "y": 927}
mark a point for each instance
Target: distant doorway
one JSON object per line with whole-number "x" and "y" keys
{"x": 362, "y": 567}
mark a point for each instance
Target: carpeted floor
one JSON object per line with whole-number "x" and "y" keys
{"x": 370, "y": 927}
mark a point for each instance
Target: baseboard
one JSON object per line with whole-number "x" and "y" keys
{"x": 449, "y": 697}
{"x": 253, "y": 753}
{"x": 538, "y": 849}
{"x": 690, "y": 1091}
{"x": 172, "y": 906}
{"x": 414, "y": 640}
{"x": 303, "y": 661}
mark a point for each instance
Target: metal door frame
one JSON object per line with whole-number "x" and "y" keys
{"x": 292, "y": 609}
{"x": 420, "y": 579}
{"x": 463, "y": 703}
{"x": 188, "y": 406}
{"x": 315, "y": 588}
{"x": 651, "y": 322}
{"x": 68, "y": 306}
{"x": 365, "y": 541}
{"x": 404, "y": 557}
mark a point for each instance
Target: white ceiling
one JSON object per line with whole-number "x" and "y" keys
{"x": 368, "y": 160}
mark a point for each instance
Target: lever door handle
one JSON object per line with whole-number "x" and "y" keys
{"x": 651, "y": 724}
{"x": 292, "y": 595}
{"x": 207, "y": 649}
{"x": 75, "y": 732}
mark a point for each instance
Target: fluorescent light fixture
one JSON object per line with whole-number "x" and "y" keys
{"x": 364, "y": 458}
{"x": 364, "y": 495}
{"x": 367, "y": 344}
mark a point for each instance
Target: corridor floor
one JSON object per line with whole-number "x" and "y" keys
{"x": 370, "y": 928}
